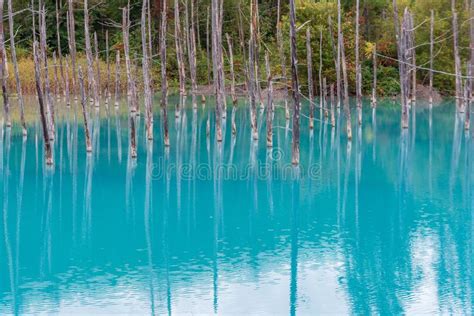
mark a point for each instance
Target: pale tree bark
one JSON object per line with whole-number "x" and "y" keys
{"x": 55, "y": 76}
{"x": 295, "y": 89}
{"x": 347, "y": 110}
{"x": 401, "y": 65}
{"x": 358, "y": 68}
{"x": 3, "y": 70}
{"x": 432, "y": 56}
{"x": 281, "y": 52}
{"x": 117, "y": 77}
{"x": 164, "y": 80}
{"x": 457, "y": 59}
{"x": 309, "y": 64}
{"x": 335, "y": 51}
{"x": 97, "y": 64}
{"x": 146, "y": 74}
{"x": 107, "y": 59}
{"x": 66, "y": 83}
{"x": 191, "y": 45}
{"x": 269, "y": 102}
{"x": 338, "y": 68}
{"x": 333, "y": 118}
{"x": 15, "y": 67}
{"x": 179, "y": 49}
{"x": 374, "y": 84}
{"x": 47, "y": 91}
{"x": 84, "y": 111}
{"x": 320, "y": 78}
{"x": 128, "y": 64}
{"x": 72, "y": 43}
{"x": 48, "y": 151}
{"x": 232, "y": 74}
{"x": 60, "y": 53}
{"x": 216, "y": 24}
{"x": 90, "y": 61}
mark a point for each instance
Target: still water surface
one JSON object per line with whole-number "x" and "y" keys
{"x": 384, "y": 225}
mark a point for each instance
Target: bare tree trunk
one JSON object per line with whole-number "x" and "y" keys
{"x": 3, "y": 70}
{"x": 72, "y": 44}
{"x": 128, "y": 64}
{"x": 374, "y": 85}
{"x": 320, "y": 75}
{"x": 347, "y": 110}
{"x": 338, "y": 68}
{"x": 335, "y": 52}
{"x": 107, "y": 57}
{"x": 457, "y": 59}
{"x": 432, "y": 56}
{"x": 333, "y": 119}
{"x": 60, "y": 53}
{"x": 146, "y": 75}
{"x": 97, "y": 64}
{"x": 15, "y": 67}
{"x": 55, "y": 77}
{"x": 191, "y": 44}
{"x": 216, "y": 19}
{"x": 309, "y": 63}
{"x": 358, "y": 69}
{"x": 325, "y": 96}
{"x": 232, "y": 74}
{"x": 46, "y": 138}
{"x": 164, "y": 81}
{"x": 84, "y": 111}
{"x": 90, "y": 61}
{"x": 252, "y": 87}
{"x": 117, "y": 77}
{"x": 179, "y": 49}
{"x": 66, "y": 83}
{"x": 269, "y": 102}
{"x": 295, "y": 87}
{"x": 47, "y": 91}
{"x": 281, "y": 52}
{"x": 401, "y": 65}
{"x": 208, "y": 48}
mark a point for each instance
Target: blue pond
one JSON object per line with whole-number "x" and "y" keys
{"x": 382, "y": 225}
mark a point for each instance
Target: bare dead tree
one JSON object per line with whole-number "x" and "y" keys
{"x": 432, "y": 56}
{"x": 3, "y": 70}
{"x": 72, "y": 43}
{"x": 269, "y": 102}
{"x": 97, "y": 64}
{"x": 281, "y": 52}
{"x": 15, "y": 67}
{"x": 216, "y": 24}
{"x": 457, "y": 59}
{"x": 146, "y": 74}
{"x": 401, "y": 65}
{"x": 164, "y": 81}
{"x": 231, "y": 66}
{"x": 42, "y": 109}
{"x": 309, "y": 63}
{"x": 333, "y": 118}
{"x": 179, "y": 49}
{"x": 294, "y": 87}
{"x": 358, "y": 67}
{"x": 107, "y": 59}
{"x": 347, "y": 110}
{"x": 117, "y": 77}
{"x": 90, "y": 61}
{"x": 84, "y": 111}
{"x": 47, "y": 89}
{"x": 62, "y": 83}
{"x": 374, "y": 70}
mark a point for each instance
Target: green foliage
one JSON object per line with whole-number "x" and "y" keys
{"x": 376, "y": 27}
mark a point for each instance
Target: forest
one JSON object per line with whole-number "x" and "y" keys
{"x": 376, "y": 29}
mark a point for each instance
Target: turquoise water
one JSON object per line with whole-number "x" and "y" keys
{"x": 383, "y": 226}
